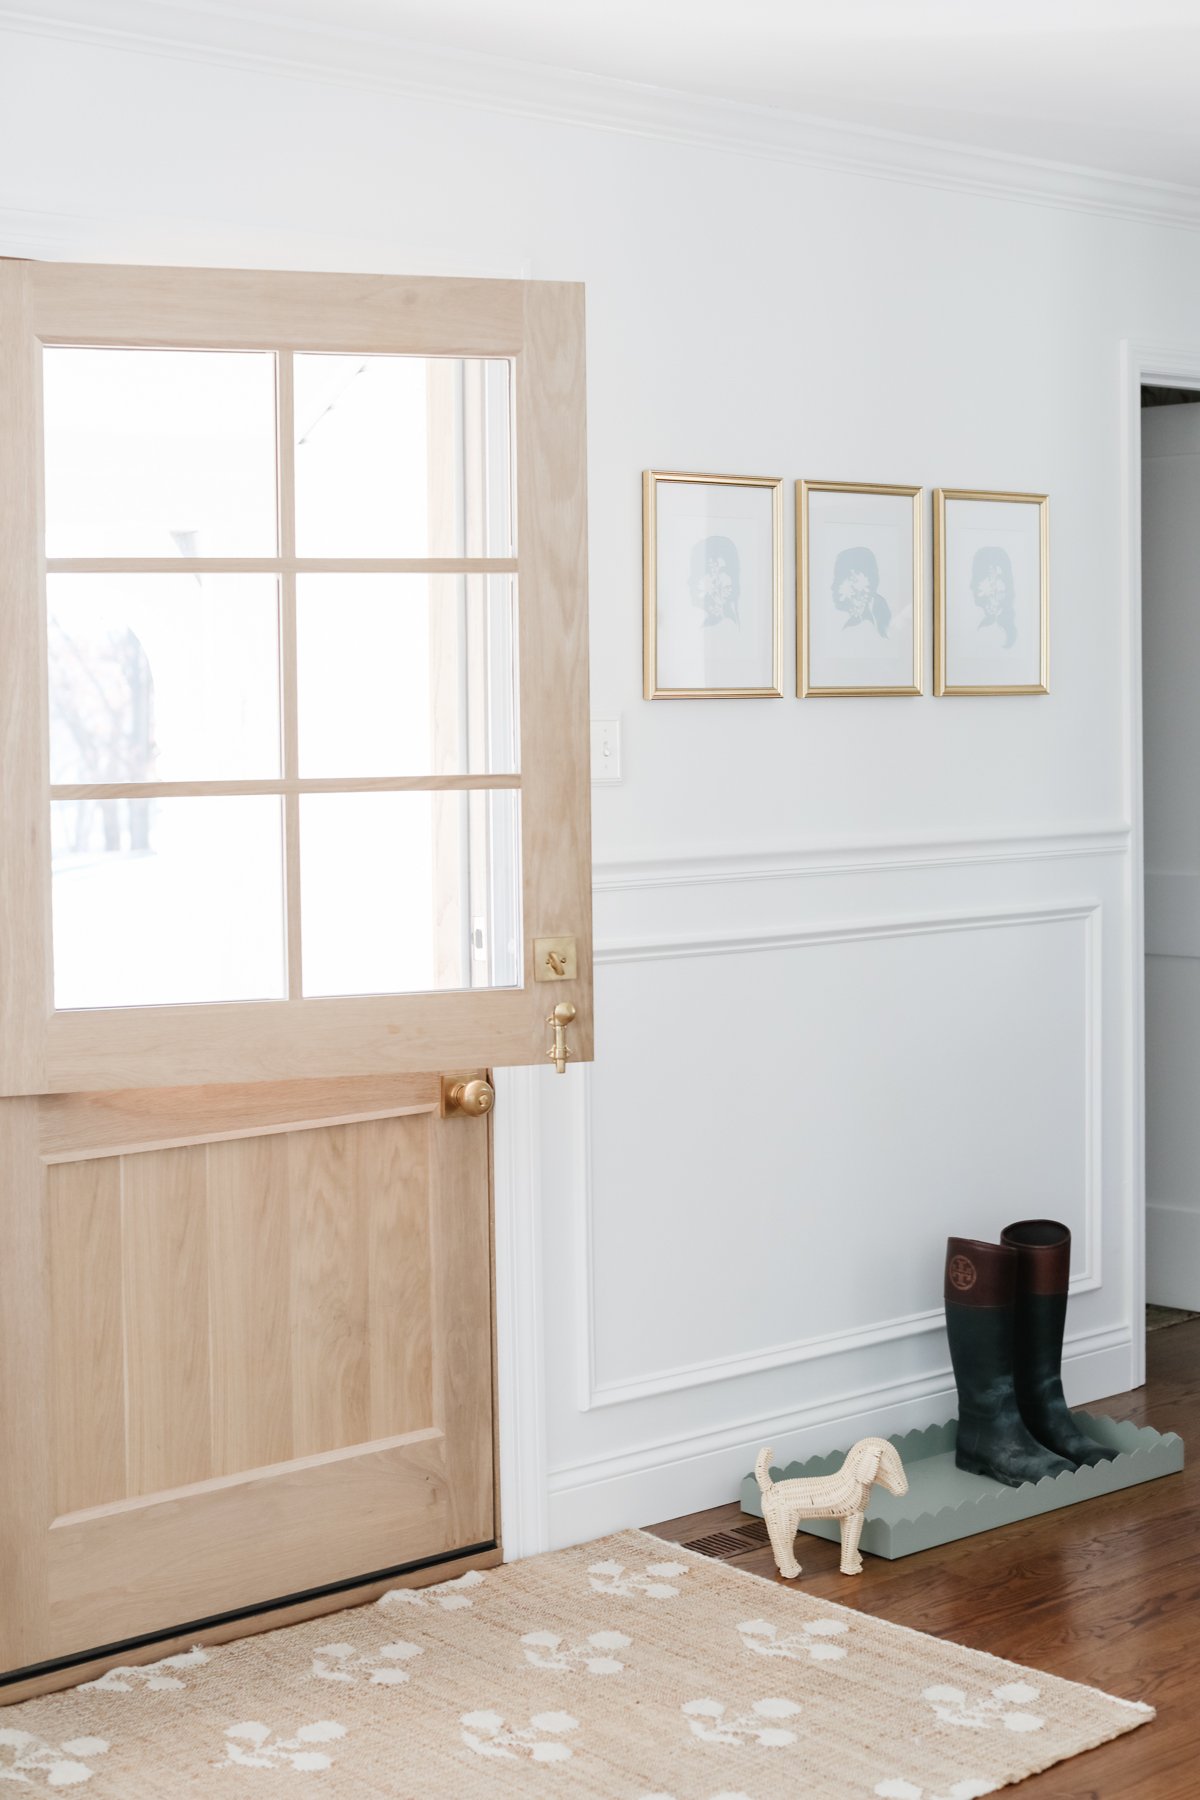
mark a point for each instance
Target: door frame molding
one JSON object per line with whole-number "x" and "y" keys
{"x": 520, "y": 1338}
{"x": 1143, "y": 364}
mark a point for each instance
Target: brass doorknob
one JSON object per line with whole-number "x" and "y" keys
{"x": 472, "y": 1097}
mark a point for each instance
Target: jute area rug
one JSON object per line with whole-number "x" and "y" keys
{"x": 626, "y": 1669}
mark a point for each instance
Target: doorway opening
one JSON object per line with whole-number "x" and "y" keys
{"x": 1170, "y": 536}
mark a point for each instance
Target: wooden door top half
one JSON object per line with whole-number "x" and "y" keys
{"x": 293, "y": 675}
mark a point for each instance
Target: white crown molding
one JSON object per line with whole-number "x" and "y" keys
{"x": 858, "y": 857}
{"x": 238, "y": 38}
{"x": 595, "y": 1392}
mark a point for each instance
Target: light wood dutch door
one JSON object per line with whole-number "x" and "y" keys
{"x": 293, "y": 843}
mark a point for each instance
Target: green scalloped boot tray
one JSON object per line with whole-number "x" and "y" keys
{"x": 944, "y": 1503}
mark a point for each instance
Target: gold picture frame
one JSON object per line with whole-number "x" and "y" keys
{"x": 808, "y": 687}
{"x": 719, "y": 608}
{"x": 943, "y": 682}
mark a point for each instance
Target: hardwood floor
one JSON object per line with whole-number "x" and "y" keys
{"x": 1106, "y": 1593}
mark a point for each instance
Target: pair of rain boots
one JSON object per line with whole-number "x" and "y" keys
{"x": 1006, "y": 1308}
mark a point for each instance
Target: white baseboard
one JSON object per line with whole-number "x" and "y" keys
{"x": 1173, "y": 1255}
{"x": 665, "y": 1480}
{"x": 1103, "y": 1363}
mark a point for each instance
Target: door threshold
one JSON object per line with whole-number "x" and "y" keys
{"x": 44, "y": 1677}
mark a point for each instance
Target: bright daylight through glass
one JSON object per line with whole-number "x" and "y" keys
{"x": 244, "y": 685}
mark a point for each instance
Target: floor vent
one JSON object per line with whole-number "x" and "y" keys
{"x": 755, "y": 1533}
{"x": 720, "y": 1544}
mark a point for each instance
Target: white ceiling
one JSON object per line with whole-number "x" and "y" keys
{"x": 1109, "y": 84}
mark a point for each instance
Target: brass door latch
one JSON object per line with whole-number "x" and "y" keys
{"x": 560, "y": 1050}
{"x": 555, "y": 959}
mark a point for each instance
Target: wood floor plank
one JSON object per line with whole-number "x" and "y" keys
{"x": 1106, "y": 1593}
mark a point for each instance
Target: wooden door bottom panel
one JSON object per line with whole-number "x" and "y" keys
{"x": 257, "y": 1362}
{"x": 249, "y": 1541}
{"x": 269, "y": 1616}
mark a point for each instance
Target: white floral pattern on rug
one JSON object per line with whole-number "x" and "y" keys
{"x": 156, "y": 1677}
{"x": 449, "y": 1595}
{"x": 811, "y": 1641}
{"x": 489, "y": 1734}
{"x": 712, "y": 1721}
{"x": 546, "y": 1650}
{"x": 382, "y": 1667}
{"x": 1001, "y": 1707}
{"x": 724, "y": 1794}
{"x": 973, "y": 1788}
{"x": 655, "y": 1580}
{"x": 598, "y": 1666}
{"x": 29, "y": 1760}
{"x": 255, "y": 1746}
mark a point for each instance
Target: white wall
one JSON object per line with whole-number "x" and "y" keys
{"x": 1171, "y": 710}
{"x": 863, "y": 966}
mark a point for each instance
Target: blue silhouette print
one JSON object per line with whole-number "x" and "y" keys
{"x": 856, "y": 590}
{"x": 714, "y": 580}
{"x": 992, "y": 588}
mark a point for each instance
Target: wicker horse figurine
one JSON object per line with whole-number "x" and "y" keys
{"x": 842, "y": 1496}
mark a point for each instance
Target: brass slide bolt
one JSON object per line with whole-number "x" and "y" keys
{"x": 560, "y": 1018}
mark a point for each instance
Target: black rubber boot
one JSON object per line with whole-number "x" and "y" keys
{"x": 993, "y": 1439}
{"x": 1043, "y": 1249}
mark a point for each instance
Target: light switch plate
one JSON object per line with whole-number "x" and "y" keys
{"x": 606, "y": 750}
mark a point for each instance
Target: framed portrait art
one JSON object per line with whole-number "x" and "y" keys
{"x": 858, "y": 585}
{"x": 991, "y": 592}
{"x": 712, "y": 590}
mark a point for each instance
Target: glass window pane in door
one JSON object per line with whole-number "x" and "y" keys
{"x": 402, "y": 456}
{"x": 163, "y": 677}
{"x": 410, "y": 892}
{"x": 159, "y": 453}
{"x": 157, "y": 902}
{"x": 407, "y": 674}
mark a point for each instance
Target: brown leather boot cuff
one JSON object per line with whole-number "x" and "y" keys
{"x": 1043, "y": 1248}
{"x": 979, "y": 1274}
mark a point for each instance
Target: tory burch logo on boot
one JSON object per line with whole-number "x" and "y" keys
{"x": 962, "y": 1273}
